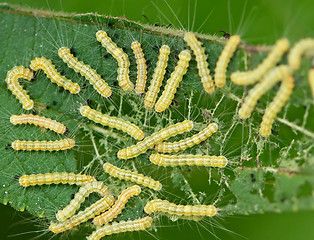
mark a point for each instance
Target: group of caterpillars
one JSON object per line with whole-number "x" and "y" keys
{"x": 107, "y": 208}
{"x": 265, "y": 73}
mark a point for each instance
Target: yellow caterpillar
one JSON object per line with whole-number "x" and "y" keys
{"x": 201, "y": 60}
{"x": 38, "y": 121}
{"x": 188, "y": 160}
{"x": 295, "y": 54}
{"x": 51, "y": 72}
{"x": 119, "y": 205}
{"x": 131, "y": 176}
{"x": 64, "y": 144}
{"x": 112, "y": 122}
{"x": 55, "y": 178}
{"x": 122, "y": 226}
{"x": 121, "y": 57}
{"x": 158, "y": 77}
{"x": 155, "y": 138}
{"x": 141, "y": 68}
{"x": 187, "y": 142}
{"x": 173, "y": 82}
{"x": 85, "y": 70}
{"x": 12, "y": 78}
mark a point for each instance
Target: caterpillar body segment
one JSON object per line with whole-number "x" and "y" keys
{"x": 141, "y": 68}
{"x": 132, "y": 176}
{"x": 224, "y": 59}
{"x": 90, "y": 212}
{"x": 17, "y": 90}
{"x": 84, "y": 191}
{"x": 187, "y": 142}
{"x": 38, "y": 121}
{"x": 311, "y": 80}
{"x": 122, "y": 226}
{"x": 155, "y": 138}
{"x": 201, "y": 60}
{"x": 55, "y": 178}
{"x": 158, "y": 205}
{"x": 275, "y": 106}
{"x": 58, "y": 145}
{"x": 121, "y": 57}
{"x": 85, "y": 70}
{"x": 52, "y": 73}
{"x": 188, "y": 160}
{"x": 250, "y": 77}
{"x": 158, "y": 77}
{"x": 112, "y": 122}
{"x": 173, "y": 82}
{"x": 296, "y": 52}
{"x": 262, "y": 87}
{"x": 118, "y": 206}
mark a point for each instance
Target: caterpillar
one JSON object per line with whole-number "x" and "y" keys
{"x": 38, "y": 121}
{"x": 158, "y": 205}
{"x": 150, "y": 141}
{"x": 141, "y": 68}
{"x": 122, "y": 226}
{"x": 250, "y": 77}
{"x": 90, "y": 212}
{"x": 158, "y": 77}
{"x": 173, "y": 82}
{"x": 85, "y": 70}
{"x": 51, "y": 72}
{"x": 188, "y": 160}
{"x": 112, "y": 122}
{"x": 201, "y": 60}
{"x": 295, "y": 54}
{"x": 275, "y": 106}
{"x": 224, "y": 58}
{"x": 117, "y": 208}
{"x": 121, "y": 57}
{"x": 84, "y": 191}
{"x": 55, "y": 178}
{"x": 311, "y": 80}
{"x": 13, "y": 85}
{"x": 64, "y": 144}
{"x": 131, "y": 176}
{"x": 187, "y": 142}
{"x": 271, "y": 78}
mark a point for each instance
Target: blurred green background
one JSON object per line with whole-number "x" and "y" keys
{"x": 258, "y": 22}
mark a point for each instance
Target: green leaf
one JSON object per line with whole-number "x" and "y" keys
{"x": 266, "y": 175}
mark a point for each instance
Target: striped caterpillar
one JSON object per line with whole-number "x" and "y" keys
{"x": 173, "y": 82}
{"x": 150, "y": 141}
{"x": 119, "y": 205}
{"x": 12, "y": 78}
{"x": 158, "y": 77}
{"x": 64, "y": 144}
{"x": 90, "y": 212}
{"x": 201, "y": 60}
{"x": 112, "y": 122}
{"x": 188, "y": 160}
{"x": 51, "y": 72}
{"x": 187, "y": 142}
{"x": 250, "y": 77}
{"x": 275, "y": 106}
{"x": 55, "y": 178}
{"x": 141, "y": 68}
{"x": 38, "y": 121}
{"x": 271, "y": 78}
{"x": 158, "y": 205}
{"x": 132, "y": 176}
{"x": 85, "y": 70}
{"x": 295, "y": 54}
{"x": 223, "y": 61}
{"x": 122, "y": 226}
{"x": 79, "y": 197}
{"x": 121, "y": 57}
